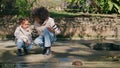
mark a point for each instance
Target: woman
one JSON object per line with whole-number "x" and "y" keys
{"x": 46, "y": 29}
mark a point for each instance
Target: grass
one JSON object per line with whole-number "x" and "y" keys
{"x": 63, "y": 14}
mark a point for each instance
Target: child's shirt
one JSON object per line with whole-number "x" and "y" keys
{"x": 24, "y": 34}
{"x": 48, "y": 23}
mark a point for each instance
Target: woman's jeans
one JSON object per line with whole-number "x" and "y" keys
{"x": 46, "y": 39}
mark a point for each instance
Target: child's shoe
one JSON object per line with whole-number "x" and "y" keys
{"x": 25, "y": 50}
{"x": 19, "y": 52}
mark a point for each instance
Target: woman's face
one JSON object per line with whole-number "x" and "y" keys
{"x": 37, "y": 20}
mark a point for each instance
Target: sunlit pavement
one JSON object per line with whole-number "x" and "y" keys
{"x": 64, "y": 53}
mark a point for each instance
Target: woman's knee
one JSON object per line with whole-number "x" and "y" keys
{"x": 46, "y": 31}
{"x": 38, "y": 41}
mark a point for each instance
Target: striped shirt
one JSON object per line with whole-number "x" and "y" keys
{"x": 48, "y": 23}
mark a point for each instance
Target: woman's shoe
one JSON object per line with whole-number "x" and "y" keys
{"x": 44, "y": 50}
{"x": 47, "y": 51}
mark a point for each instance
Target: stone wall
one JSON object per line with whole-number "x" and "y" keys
{"x": 90, "y": 27}
{"x": 80, "y": 27}
{"x": 8, "y": 25}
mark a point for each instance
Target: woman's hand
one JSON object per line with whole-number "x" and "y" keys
{"x": 51, "y": 29}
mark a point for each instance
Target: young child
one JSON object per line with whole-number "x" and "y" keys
{"x": 23, "y": 37}
{"x": 46, "y": 29}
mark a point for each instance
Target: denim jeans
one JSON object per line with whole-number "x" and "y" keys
{"x": 20, "y": 44}
{"x": 46, "y": 39}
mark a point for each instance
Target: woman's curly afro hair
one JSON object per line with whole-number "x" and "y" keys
{"x": 42, "y": 13}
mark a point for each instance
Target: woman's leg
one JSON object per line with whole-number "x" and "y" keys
{"x": 39, "y": 41}
{"x": 48, "y": 39}
{"x": 45, "y": 41}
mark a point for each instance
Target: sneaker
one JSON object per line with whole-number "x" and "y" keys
{"x": 47, "y": 51}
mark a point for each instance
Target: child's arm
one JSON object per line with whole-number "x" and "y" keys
{"x": 16, "y": 33}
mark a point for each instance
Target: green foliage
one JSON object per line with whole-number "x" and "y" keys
{"x": 24, "y": 7}
{"x": 63, "y": 14}
{"x": 7, "y": 7}
{"x": 20, "y": 7}
{"x": 80, "y": 6}
{"x": 109, "y": 6}
{"x": 103, "y": 5}
{"x": 94, "y": 6}
{"x": 74, "y": 4}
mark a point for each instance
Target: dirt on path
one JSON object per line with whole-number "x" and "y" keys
{"x": 63, "y": 53}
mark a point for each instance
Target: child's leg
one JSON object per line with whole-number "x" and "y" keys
{"x": 19, "y": 43}
{"x": 29, "y": 46}
{"x": 26, "y": 48}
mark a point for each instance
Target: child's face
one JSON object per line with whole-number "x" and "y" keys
{"x": 25, "y": 24}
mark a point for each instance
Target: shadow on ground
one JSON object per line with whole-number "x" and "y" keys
{"x": 74, "y": 51}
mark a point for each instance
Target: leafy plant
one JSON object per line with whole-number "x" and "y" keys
{"x": 24, "y": 7}
{"x": 114, "y": 5}
{"x": 109, "y": 6}
{"x": 95, "y": 6}
{"x": 7, "y": 7}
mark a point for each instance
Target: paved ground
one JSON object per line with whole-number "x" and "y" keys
{"x": 64, "y": 54}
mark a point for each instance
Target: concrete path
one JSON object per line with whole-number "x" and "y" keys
{"x": 64, "y": 53}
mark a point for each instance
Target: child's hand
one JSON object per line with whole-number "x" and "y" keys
{"x": 27, "y": 43}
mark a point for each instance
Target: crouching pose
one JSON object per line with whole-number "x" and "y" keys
{"x": 23, "y": 37}
{"x": 46, "y": 28}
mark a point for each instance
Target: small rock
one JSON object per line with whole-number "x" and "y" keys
{"x": 77, "y": 63}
